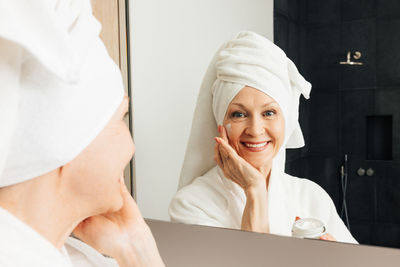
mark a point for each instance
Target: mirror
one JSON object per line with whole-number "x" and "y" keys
{"x": 353, "y": 109}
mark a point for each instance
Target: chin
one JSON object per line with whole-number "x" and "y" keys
{"x": 259, "y": 162}
{"x": 110, "y": 204}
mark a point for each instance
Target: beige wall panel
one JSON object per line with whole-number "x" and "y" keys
{"x": 107, "y": 12}
{"x": 111, "y": 14}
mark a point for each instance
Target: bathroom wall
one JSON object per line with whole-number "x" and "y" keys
{"x": 341, "y": 115}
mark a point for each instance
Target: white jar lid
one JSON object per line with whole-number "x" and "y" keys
{"x": 308, "y": 228}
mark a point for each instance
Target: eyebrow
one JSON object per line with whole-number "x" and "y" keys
{"x": 266, "y": 104}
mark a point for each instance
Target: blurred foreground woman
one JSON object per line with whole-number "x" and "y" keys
{"x": 63, "y": 143}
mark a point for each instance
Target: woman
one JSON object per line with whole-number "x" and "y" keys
{"x": 251, "y": 96}
{"x": 64, "y": 144}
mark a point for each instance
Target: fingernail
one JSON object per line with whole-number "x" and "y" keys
{"x": 323, "y": 237}
{"x": 216, "y": 140}
{"x": 219, "y": 128}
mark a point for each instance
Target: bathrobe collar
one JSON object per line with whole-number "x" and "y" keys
{"x": 20, "y": 245}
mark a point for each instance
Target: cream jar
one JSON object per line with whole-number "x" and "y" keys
{"x": 308, "y": 228}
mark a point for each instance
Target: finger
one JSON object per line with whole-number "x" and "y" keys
{"x": 129, "y": 210}
{"x": 327, "y": 237}
{"x": 217, "y": 156}
{"x": 223, "y": 133}
{"x": 226, "y": 150}
{"x": 227, "y": 164}
{"x": 221, "y": 148}
{"x": 87, "y": 225}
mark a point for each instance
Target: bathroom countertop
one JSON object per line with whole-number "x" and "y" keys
{"x": 183, "y": 245}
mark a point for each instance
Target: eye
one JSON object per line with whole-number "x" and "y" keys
{"x": 237, "y": 114}
{"x": 269, "y": 113}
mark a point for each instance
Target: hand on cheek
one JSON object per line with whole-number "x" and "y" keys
{"x": 123, "y": 235}
{"x": 235, "y": 167}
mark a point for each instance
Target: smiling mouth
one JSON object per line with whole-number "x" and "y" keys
{"x": 255, "y": 145}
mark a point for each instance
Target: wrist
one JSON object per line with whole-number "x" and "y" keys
{"x": 138, "y": 249}
{"x": 256, "y": 191}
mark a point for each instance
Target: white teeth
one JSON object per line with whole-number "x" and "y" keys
{"x": 256, "y": 145}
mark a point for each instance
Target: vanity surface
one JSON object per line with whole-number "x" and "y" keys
{"x": 183, "y": 245}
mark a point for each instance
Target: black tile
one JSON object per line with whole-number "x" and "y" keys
{"x": 292, "y": 155}
{"x": 387, "y": 102}
{"x": 327, "y": 11}
{"x": 388, "y": 52}
{"x": 388, "y": 194}
{"x": 324, "y": 124}
{"x": 362, "y": 232}
{"x": 387, "y": 235}
{"x": 293, "y": 9}
{"x": 302, "y": 11}
{"x": 294, "y": 167}
{"x": 282, "y": 6}
{"x": 293, "y": 43}
{"x": 358, "y": 9}
{"x": 388, "y": 8}
{"x": 322, "y": 54}
{"x": 304, "y": 111}
{"x": 323, "y": 43}
{"x": 379, "y": 137}
{"x": 361, "y": 192}
{"x": 303, "y": 58}
{"x": 281, "y": 31}
{"x": 325, "y": 171}
{"x": 356, "y": 105}
{"x": 323, "y": 78}
{"x": 359, "y": 36}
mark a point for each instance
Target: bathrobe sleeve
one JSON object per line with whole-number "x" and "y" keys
{"x": 312, "y": 201}
{"x": 334, "y": 224}
{"x": 203, "y": 202}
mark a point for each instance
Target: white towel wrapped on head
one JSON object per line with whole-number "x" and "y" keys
{"x": 59, "y": 87}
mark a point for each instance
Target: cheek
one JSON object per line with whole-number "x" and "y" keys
{"x": 120, "y": 151}
{"x": 278, "y": 131}
{"x": 104, "y": 161}
{"x": 234, "y": 133}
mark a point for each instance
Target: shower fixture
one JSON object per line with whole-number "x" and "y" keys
{"x": 343, "y": 180}
{"x": 357, "y": 55}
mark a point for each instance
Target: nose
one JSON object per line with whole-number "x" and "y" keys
{"x": 255, "y": 127}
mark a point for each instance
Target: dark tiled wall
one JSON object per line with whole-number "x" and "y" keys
{"x": 317, "y": 35}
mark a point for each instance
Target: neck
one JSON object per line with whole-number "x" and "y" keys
{"x": 40, "y": 204}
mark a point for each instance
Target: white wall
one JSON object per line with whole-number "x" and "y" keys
{"x": 172, "y": 44}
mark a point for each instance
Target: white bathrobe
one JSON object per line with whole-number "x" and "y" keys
{"x": 21, "y": 246}
{"x": 214, "y": 200}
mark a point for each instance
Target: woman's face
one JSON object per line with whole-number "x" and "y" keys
{"x": 255, "y": 126}
{"x": 93, "y": 177}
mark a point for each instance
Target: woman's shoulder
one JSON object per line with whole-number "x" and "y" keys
{"x": 206, "y": 188}
{"x": 202, "y": 202}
